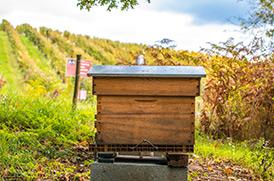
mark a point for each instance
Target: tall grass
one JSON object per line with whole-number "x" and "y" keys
{"x": 39, "y": 128}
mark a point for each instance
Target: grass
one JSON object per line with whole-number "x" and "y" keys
{"x": 38, "y": 133}
{"x": 8, "y": 66}
{"x": 38, "y": 136}
{"x": 252, "y": 154}
{"x": 38, "y": 57}
{"x": 207, "y": 147}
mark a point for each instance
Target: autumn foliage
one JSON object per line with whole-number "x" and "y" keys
{"x": 238, "y": 99}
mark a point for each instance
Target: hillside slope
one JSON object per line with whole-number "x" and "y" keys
{"x": 8, "y": 66}
{"x": 37, "y": 57}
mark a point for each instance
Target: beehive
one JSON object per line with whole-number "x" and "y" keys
{"x": 145, "y": 108}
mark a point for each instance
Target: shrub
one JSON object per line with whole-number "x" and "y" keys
{"x": 237, "y": 100}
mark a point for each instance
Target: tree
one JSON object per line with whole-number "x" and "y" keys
{"x": 111, "y": 4}
{"x": 166, "y": 43}
{"x": 259, "y": 25}
{"x": 261, "y": 17}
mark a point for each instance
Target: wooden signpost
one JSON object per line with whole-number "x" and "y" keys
{"x": 77, "y": 68}
{"x": 77, "y": 82}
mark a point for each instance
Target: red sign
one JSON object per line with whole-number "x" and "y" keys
{"x": 84, "y": 68}
{"x": 71, "y": 67}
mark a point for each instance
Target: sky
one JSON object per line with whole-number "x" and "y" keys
{"x": 191, "y": 23}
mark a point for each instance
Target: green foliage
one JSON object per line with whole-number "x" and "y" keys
{"x": 9, "y": 71}
{"x": 253, "y": 154}
{"x": 63, "y": 44}
{"x": 32, "y": 75}
{"x": 93, "y": 51}
{"x": 56, "y": 58}
{"x": 17, "y": 48}
{"x": 263, "y": 156}
{"x": 38, "y": 57}
{"x": 36, "y": 128}
{"x": 111, "y": 4}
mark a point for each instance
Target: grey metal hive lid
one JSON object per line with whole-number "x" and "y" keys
{"x": 146, "y": 71}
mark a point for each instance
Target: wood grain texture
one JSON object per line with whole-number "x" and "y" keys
{"x": 157, "y": 128}
{"x": 146, "y": 86}
{"x": 144, "y": 105}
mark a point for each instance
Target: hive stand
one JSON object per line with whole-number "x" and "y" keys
{"x": 136, "y": 172}
{"x": 112, "y": 167}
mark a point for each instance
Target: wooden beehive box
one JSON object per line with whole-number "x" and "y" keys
{"x": 145, "y": 108}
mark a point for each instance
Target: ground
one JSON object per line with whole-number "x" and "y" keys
{"x": 199, "y": 168}
{"x": 210, "y": 169}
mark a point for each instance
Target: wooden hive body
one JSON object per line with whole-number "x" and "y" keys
{"x": 145, "y": 113}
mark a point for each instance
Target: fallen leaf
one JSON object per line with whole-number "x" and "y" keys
{"x": 228, "y": 171}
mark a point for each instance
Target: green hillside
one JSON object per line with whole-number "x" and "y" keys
{"x": 8, "y": 66}
{"x": 41, "y": 137}
{"x": 34, "y": 59}
{"x": 41, "y": 54}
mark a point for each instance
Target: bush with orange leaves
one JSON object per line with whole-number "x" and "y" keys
{"x": 238, "y": 98}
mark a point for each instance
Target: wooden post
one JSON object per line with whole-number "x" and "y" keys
{"x": 77, "y": 82}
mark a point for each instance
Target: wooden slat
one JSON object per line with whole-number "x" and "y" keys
{"x": 144, "y": 104}
{"x": 146, "y": 86}
{"x": 157, "y": 128}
